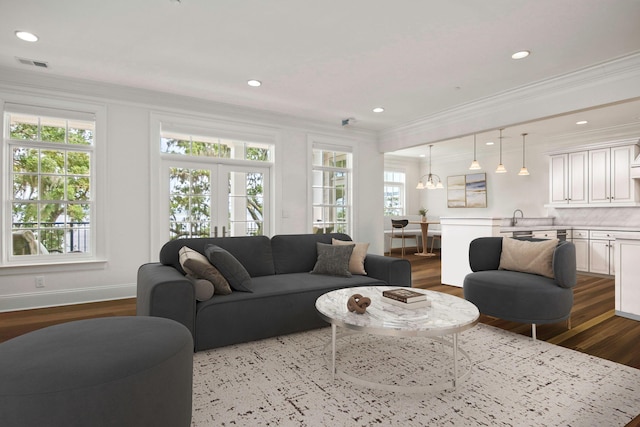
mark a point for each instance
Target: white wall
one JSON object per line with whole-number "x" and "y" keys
{"x": 128, "y": 210}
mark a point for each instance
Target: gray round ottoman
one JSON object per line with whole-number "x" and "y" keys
{"x": 115, "y": 371}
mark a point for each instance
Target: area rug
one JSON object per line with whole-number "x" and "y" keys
{"x": 514, "y": 381}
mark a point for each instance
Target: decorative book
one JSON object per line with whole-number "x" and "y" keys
{"x": 417, "y": 304}
{"x": 404, "y": 295}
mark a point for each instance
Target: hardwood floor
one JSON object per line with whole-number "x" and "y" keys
{"x": 595, "y": 329}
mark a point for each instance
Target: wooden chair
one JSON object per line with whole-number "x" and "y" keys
{"x": 398, "y": 226}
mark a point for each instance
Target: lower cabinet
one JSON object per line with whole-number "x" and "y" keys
{"x": 601, "y": 250}
{"x": 627, "y": 273}
{"x": 582, "y": 254}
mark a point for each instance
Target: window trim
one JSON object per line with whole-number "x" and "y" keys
{"x": 202, "y": 125}
{"x": 403, "y": 189}
{"x": 69, "y": 110}
{"x": 332, "y": 144}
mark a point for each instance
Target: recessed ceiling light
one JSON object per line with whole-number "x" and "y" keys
{"x": 490, "y": 143}
{"x": 378, "y": 110}
{"x": 254, "y": 83}
{"x": 26, "y": 36}
{"x": 521, "y": 54}
{"x": 422, "y": 155}
{"x": 582, "y": 122}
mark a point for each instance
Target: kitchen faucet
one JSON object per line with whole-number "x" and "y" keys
{"x": 514, "y": 220}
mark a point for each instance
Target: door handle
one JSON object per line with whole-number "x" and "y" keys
{"x": 224, "y": 231}
{"x": 215, "y": 231}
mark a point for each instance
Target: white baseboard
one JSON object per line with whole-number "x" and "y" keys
{"x": 66, "y": 297}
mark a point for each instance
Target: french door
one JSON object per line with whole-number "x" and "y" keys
{"x": 218, "y": 200}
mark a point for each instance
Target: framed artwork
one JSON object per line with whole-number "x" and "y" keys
{"x": 467, "y": 191}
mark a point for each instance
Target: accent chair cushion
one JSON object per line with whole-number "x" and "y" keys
{"x": 232, "y": 270}
{"x": 333, "y": 260}
{"x": 356, "y": 262}
{"x": 528, "y": 257}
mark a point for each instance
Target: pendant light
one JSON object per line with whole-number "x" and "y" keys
{"x": 474, "y": 165}
{"x": 524, "y": 170}
{"x": 433, "y": 180}
{"x": 501, "y": 168}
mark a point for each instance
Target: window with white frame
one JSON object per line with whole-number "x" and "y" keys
{"x": 48, "y": 165}
{"x": 394, "y": 193}
{"x": 331, "y": 190}
{"x": 217, "y": 186}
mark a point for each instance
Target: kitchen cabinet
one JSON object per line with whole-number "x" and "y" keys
{"x": 610, "y": 175}
{"x": 546, "y": 234}
{"x": 580, "y": 239}
{"x": 601, "y": 252}
{"x": 595, "y": 175}
{"x": 568, "y": 178}
{"x": 627, "y": 289}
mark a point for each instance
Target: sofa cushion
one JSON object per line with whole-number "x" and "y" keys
{"x": 527, "y": 256}
{"x": 333, "y": 260}
{"x": 204, "y": 270}
{"x": 356, "y": 262}
{"x": 186, "y": 253}
{"x": 232, "y": 270}
{"x": 204, "y": 289}
{"x": 297, "y": 253}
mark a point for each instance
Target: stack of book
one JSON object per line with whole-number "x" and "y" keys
{"x": 406, "y": 298}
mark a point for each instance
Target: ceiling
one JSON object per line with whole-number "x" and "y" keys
{"x": 324, "y": 60}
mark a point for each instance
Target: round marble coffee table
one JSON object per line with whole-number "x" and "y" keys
{"x": 447, "y": 315}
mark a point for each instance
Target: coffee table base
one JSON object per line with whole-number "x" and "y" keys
{"x": 443, "y": 385}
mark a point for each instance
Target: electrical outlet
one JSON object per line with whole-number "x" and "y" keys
{"x": 39, "y": 281}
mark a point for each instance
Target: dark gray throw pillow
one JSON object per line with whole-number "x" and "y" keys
{"x": 333, "y": 260}
{"x": 235, "y": 273}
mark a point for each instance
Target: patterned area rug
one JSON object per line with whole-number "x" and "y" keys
{"x": 514, "y": 381}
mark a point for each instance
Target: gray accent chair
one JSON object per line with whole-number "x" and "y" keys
{"x": 105, "y": 372}
{"x": 516, "y": 296}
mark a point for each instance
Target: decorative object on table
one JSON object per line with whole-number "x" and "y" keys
{"x": 423, "y": 214}
{"x": 404, "y": 295}
{"x": 415, "y": 304}
{"x": 358, "y": 304}
{"x": 467, "y": 191}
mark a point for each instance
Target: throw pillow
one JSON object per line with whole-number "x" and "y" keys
{"x": 204, "y": 288}
{"x": 232, "y": 270}
{"x": 527, "y": 256}
{"x": 356, "y": 262}
{"x": 186, "y": 253}
{"x": 204, "y": 270}
{"x": 333, "y": 259}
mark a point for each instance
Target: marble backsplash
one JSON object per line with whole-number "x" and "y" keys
{"x": 606, "y": 217}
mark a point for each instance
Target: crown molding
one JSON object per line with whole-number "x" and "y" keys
{"x": 609, "y": 82}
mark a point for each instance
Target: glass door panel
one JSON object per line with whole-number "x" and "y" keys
{"x": 246, "y": 192}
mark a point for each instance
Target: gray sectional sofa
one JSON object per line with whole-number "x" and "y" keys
{"x": 284, "y": 291}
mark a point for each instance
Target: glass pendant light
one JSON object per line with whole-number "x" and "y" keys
{"x": 501, "y": 168}
{"x": 524, "y": 170}
{"x": 474, "y": 165}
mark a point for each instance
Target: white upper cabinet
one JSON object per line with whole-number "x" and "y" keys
{"x": 594, "y": 177}
{"x": 568, "y": 178}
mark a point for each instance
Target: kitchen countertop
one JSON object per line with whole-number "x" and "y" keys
{"x": 569, "y": 227}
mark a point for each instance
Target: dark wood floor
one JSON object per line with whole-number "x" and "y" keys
{"x": 595, "y": 330}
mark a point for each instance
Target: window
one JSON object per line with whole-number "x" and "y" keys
{"x": 217, "y": 187}
{"x": 331, "y": 191}
{"x": 49, "y": 169}
{"x": 394, "y": 193}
